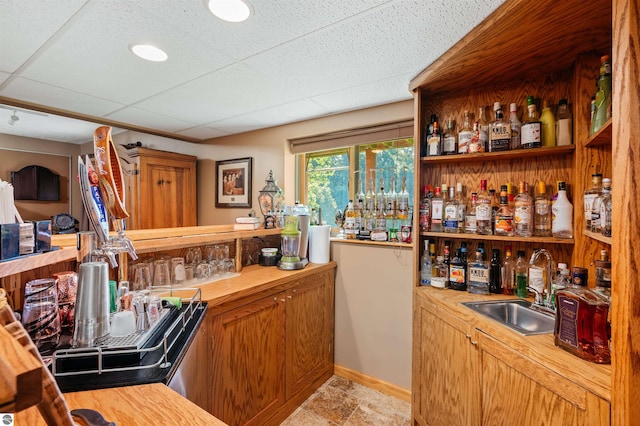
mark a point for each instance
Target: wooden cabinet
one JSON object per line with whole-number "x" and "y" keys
{"x": 465, "y": 376}
{"x": 271, "y": 353}
{"x": 160, "y": 188}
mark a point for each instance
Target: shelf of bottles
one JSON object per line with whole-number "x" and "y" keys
{"x": 463, "y": 236}
{"x": 598, "y": 237}
{"x": 500, "y": 155}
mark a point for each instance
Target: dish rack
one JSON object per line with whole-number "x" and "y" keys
{"x": 121, "y": 354}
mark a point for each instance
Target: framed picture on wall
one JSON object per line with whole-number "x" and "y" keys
{"x": 233, "y": 188}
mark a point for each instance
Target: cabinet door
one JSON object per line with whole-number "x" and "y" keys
{"x": 167, "y": 195}
{"x": 446, "y": 374}
{"x": 309, "y": 332}
{"x": 191, "y": 379}
{"x": 248, "y": 368}
{"x": 518, "y": 391}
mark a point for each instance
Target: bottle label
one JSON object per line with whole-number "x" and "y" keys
{"x": 470, "y": 223}
{"x": 436, "y": 207}
{"x": 500, "y": 137}
{"x": 523, "y": 215}
{"x": 567, "y": 311}
{"x": 433, "y": 145}
{"x": 424, "y": 218}
{"x": 439, "y": 282}
{"x": 479, "y": 274}
{"x": 588, "y": 205}
{"x": 464, "y": 141}
{"x": 504, "y": 224}
{"x": 542, "y": 207}
{"x": 456, "y": 274}
{"x": 483, "y": 212}
{"x": 531, "y": 135}
{"x": 536, "y": 278}
{"x": 449, "y": 145}
{"x": 451, "y": 217}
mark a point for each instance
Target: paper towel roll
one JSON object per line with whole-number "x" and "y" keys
{"x": 319, "y": 243}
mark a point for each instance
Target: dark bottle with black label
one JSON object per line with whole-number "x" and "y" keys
{"x": 457, "y": 272}
{"x": 495, "y": 273}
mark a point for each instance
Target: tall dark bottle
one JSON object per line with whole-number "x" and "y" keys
{"x": 458, "y": 272}
{"x": 495, "y": 273}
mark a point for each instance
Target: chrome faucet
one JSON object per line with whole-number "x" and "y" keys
{"x": 544, "y": 302}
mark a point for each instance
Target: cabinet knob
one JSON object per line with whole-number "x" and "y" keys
{"x": 289, "y": 297}
{"x": 468, "y": 336}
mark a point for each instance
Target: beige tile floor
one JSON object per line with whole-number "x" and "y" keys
{"x": 340, "y": 401}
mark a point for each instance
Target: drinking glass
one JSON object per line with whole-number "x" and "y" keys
{"x": 194, "y": 255}
{"x": 162, "y": 274}
{"x": 209, "y": 253}
{"x": 203, "y": 271}
{"x": 40, "y": 315}
{"x": 141, "y": 276}
{"x": 221, "y": 252}
{"x": 229, "y": 266}
{"x": 178, "y": 274}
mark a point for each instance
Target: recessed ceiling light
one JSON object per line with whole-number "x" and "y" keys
{"x": 148, "y": 52}
{"x": 230, "y": 10}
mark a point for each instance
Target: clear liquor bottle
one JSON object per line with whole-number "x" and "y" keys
{"x": 449, "y": 145}
{"x": 495, "y": 206}
{"x": 462, "y": 207}
{"x": 350, "y": 221}
{"x": 504, "y": 216}
{"x": 477, "y": 144}
{"x": 424, "y": 219}
{"x": 470, "y": 217}
{"x": 483, "y": 210}
{"x": 606, "y": 210}
{"x": 596, "y": 220}
{"x": 440, "y": 276}
{"x": 531, "y": 130}
{"x": 426, "y": 268}
{"x": 564, "y": 124}
{"x": 478, "y": 275}
{"x": 499, "y": 131}
{"x": 434, "y": 141}
{"x": 465, "y": 135}
{"x": 391, "y": 200}
{"x": 437, "y": 208}
{"x": 457, "y": 272}
{"x": 589, "y": 196}
{"x": 542, "y": 212}
{"x": 508, "y": 272}
{"x": 495, "y": 273}
{"x": 562, "y": 214}
{"x": 370, "y": 208}
{"x": 426, "y": 133}
{"x": 523, "y": 216}
{"x": 483, "y": 130}
{"x": 381, "y": 219}
{"x": 450, "y": 217}
{"x": 402, "y": 211}
{"x": 515, "y": 126}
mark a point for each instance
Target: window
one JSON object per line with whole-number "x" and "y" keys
{"x": 328, "y": 179}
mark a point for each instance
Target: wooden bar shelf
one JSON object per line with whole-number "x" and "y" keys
{"x": 543, "y": 240}
{"x": 601, "y": 137}
{"x": 598, "y": 237}
{"x": 502, "y": 155}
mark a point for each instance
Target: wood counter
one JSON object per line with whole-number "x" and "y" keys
{"x": 153, "y": 404}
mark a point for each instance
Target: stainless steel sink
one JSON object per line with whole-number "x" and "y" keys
{"x": 516, "y": 314}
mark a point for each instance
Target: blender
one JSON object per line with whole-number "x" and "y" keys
{"x": 295, "y": 237}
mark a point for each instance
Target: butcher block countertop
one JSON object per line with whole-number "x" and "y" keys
{"x": 153, "y": 404}
{"x": 595, "y": 378}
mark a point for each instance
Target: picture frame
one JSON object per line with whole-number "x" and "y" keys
{"x": 233, "y": 182}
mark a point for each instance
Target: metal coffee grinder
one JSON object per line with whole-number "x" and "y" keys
{"x": 295, "y": 237}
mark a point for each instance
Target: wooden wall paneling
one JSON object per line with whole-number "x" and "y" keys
{"x": 625, "y": 389}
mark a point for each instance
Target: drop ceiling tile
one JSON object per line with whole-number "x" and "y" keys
{"x": 379, "y": 92}
{"x": 150, "y": 120}
{"x": 56, "y": 97}
{"x": 268, "y": 117}
{"x": 4, "y": 76}
{"x": 47, "y": 127}
{"x": 19, "y": 18}
{"x": 203, "y": 132}
{"x": 272, "y": 22}
{"x": 97, "y": 46}
{"x": 234, "y": 90}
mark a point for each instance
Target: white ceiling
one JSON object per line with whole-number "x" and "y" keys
{"x": 292, "y": 60}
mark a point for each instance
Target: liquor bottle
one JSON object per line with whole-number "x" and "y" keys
{"x": 440, "y": 275}
{"x": 548, "y": 126}
{"x": 596, "y": 209}
{"x": 483, "y": 130}
{"x": 523, "y": 215}
{"x": 515, "y": 126}
{"x": 582, "y": 327}
{"x": 531, "y": 130}
{"x": 434, "y": 142}
{"x": 437, "y": 208}
{"x": 508, "y": 272}
{"x": 564, "y": 124}
{"x": 449, "y": 145}
{"x": 478, "y": 275}
{"x": 521, "y": 269}
{"x": 589, "y": 196}
{"x": 470, "y": 217}
{"x": 511, "y": 196}
{"x": 603, "y": 275}
{"x": 603, "y": 95}
{"x": 451, "y": 212}
{"x": 504, "y": 215}
{"x": 562, "y": 214}
{"x": 390, "y": 200}
{"x": 537, "y": 274}
{"x": 495, "y": 273}
{"x": 499, "y": 131}
{"x": 606, "y": 210}
{"x": 369, "y": 208}
{"x": 462, "y": 207}
{"x": 542, "y": 212}
{"x": 476, "y": 144}
{"x": 358, "y": 210}
{"x": 495, "y": 206}
{"x": 350, "y": 221}
{"x": 424, "y": 219}
{"x": 465, "y": 135}
{"x": 457, "y": 273}
{"x": 402, "y": 212}
{"x": 446, "y": 254}
{"x": 426, "y": 271}
{"x": 380, "y": 201}
{"x": 426, "y": 133}
{"x": 483, "y": 210}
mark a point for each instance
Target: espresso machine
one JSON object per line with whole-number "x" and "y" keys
{"x": 295, "y": 237}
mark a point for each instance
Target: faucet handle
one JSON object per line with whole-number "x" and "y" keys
{"x": 539, "y": 299}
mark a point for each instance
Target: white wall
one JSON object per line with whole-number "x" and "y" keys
{"x": 373, "y": 304}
